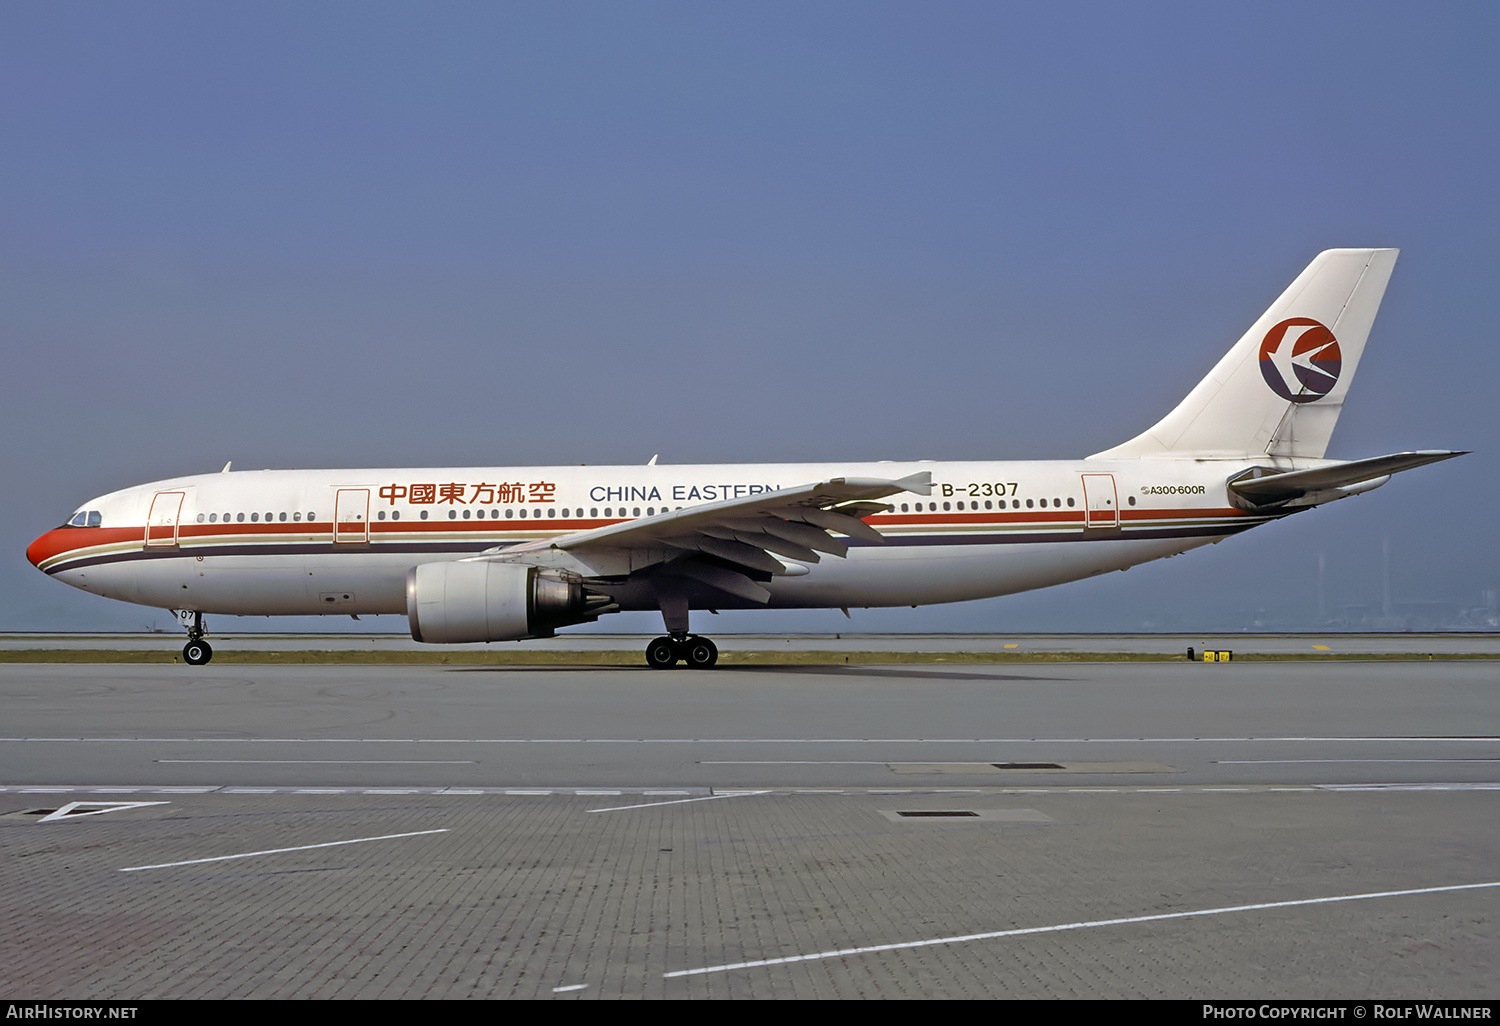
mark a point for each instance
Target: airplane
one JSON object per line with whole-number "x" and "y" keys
{"x": 484, "y": 554}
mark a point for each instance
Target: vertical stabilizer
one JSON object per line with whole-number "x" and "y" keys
{"x": 1279, "y": 391}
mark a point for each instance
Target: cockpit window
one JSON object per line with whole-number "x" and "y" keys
{"x": 85, "y": 518}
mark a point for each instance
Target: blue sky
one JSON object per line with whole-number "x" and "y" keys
{"x": 334, "y": 234}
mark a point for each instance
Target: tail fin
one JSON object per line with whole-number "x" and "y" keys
{"x": 1279, "y": 391}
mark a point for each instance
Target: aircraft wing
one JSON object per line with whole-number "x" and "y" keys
{"x": 1265, "y": 488}
{"x": 729, "y": 545}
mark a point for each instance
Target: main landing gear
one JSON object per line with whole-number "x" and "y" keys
{"x": 698, "y": 653}
{"x": 197, "y": 651}
{"x": 677, "y": 643}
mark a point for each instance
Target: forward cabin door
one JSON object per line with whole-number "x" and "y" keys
{"x": 351, "y": 516}
{"x": 1100, "y": 503}
{"x": 161, "y": 522}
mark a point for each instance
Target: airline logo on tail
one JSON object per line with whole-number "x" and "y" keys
{"x": 1300, "y": 359}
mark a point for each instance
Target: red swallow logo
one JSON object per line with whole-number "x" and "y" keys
{"x": 1300, "y": 359}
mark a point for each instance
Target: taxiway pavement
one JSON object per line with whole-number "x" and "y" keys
{"x": 1253, "y": 830}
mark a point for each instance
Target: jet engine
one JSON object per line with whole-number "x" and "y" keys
{"x": 457, "y": 602}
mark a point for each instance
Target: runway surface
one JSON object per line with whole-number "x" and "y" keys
{"x": 1255, "y": 830}
{"x": 1260, "y": 643}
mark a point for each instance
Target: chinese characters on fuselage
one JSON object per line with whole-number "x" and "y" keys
{"x": 460, "y": 494}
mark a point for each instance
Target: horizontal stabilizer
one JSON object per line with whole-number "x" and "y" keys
{"x": 1262, "y": 486}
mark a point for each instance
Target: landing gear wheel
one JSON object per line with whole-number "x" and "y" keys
{"x": 700, "y": 653}
{"x": 662, "y": 654}
{"x": 196, "y": 653}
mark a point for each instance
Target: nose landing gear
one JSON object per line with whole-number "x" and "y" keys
{"x": 196, "y": 652}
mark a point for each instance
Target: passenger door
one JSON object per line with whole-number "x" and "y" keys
{"x": 351, "y": 516}
{"x": 1100, "y": 503}
{"x": 161, "y": 522}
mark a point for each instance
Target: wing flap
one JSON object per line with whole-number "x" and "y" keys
{"x": 832, "y": 520}
{"x": 751, "y": 532}
{"x": 771, "y": 542}
{"x": 730, "y": 551}
{"x": 721, "y": 579}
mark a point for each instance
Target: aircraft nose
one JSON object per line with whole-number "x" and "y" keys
{"x": 43, "y": 548}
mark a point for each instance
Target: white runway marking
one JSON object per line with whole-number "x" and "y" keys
{"x": 566, "y": 792}
{"x": 278, "y": 851}
{"x": 845, "y": 952}
{"x": 1411, "y": 787}
{"x": 317, "y": 762}
{"x": 732, "y": 740}
{"x": 679, "y": 801}
{"x": 564, "y": 990}
{"x": 793, "y": 762}
{"x": 70, "y": 810}
{"x": 1301, "y": 762}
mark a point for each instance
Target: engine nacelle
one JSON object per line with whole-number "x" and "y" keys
{"x": 460, "y": 602}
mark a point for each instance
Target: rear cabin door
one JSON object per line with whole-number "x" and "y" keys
{"x": 161, "y": 522}
{"x": 351, "y": 516}
{"x": 1101, "y": 505}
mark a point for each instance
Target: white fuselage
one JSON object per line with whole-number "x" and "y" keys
{"x": 343, "y": 541}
